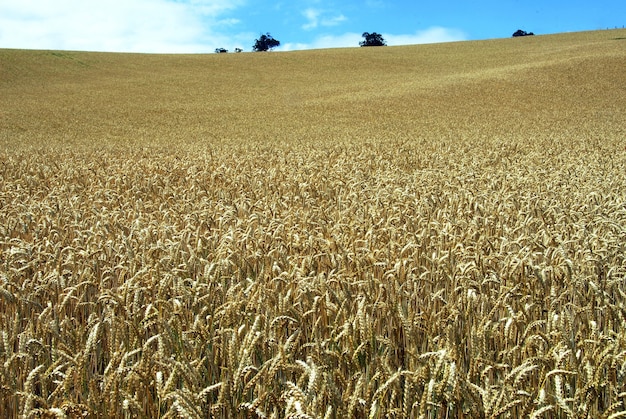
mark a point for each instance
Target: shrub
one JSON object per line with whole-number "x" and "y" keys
{"x": 520, "y": 32}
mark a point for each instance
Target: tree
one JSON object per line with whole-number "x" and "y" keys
{"x": 520, "y": 32}
{"x": 372, "y": 40}
{"x": 265, "y": 43}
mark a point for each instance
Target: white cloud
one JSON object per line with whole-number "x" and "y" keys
{"x": 312, "y": 16}
{"x": 315, "y": 18}
{"x": 116, "y": 25}
{"x": 350, "y": 39}
{"x": 427, "y": 36}
{"x": 334, "y": 21}
{"x": 326, "y": 41}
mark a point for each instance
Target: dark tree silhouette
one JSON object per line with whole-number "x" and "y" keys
{"x": 265, "y": 43}
{"x": 520, "y": 32}
{"x": 372, "y": 40}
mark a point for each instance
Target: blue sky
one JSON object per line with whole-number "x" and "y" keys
{"x": 199, "y": 26}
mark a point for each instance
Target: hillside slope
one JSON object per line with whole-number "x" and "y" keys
{"x": 506, "y": 87}
{"x": 422, "y": 231}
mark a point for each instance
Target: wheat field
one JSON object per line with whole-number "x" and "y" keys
{"x": 429, "y": 231}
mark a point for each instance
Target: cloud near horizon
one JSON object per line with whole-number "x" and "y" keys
{"x": 431, "y": 35}
{"x": 350, "y": 39}
{"x": 116, "y": 25}
{"x": 176, "y": 26}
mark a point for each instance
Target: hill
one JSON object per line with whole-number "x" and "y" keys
{"x": 503, "y": 87}
{"x": 423, "y": 231}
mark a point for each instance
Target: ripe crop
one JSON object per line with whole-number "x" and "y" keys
{"x": 447, "y": 239}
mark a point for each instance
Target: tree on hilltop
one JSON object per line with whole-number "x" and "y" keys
{"x": 372, "y": 40}
{"x": 520, "y": 32}
{"x": 265, "y": 43}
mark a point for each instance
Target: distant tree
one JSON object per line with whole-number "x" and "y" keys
{"x": 220, "y": 50}
{"x": 265, "y": 43}
{"x": 520, "y": 32}
{"x": 372, "y": 40}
